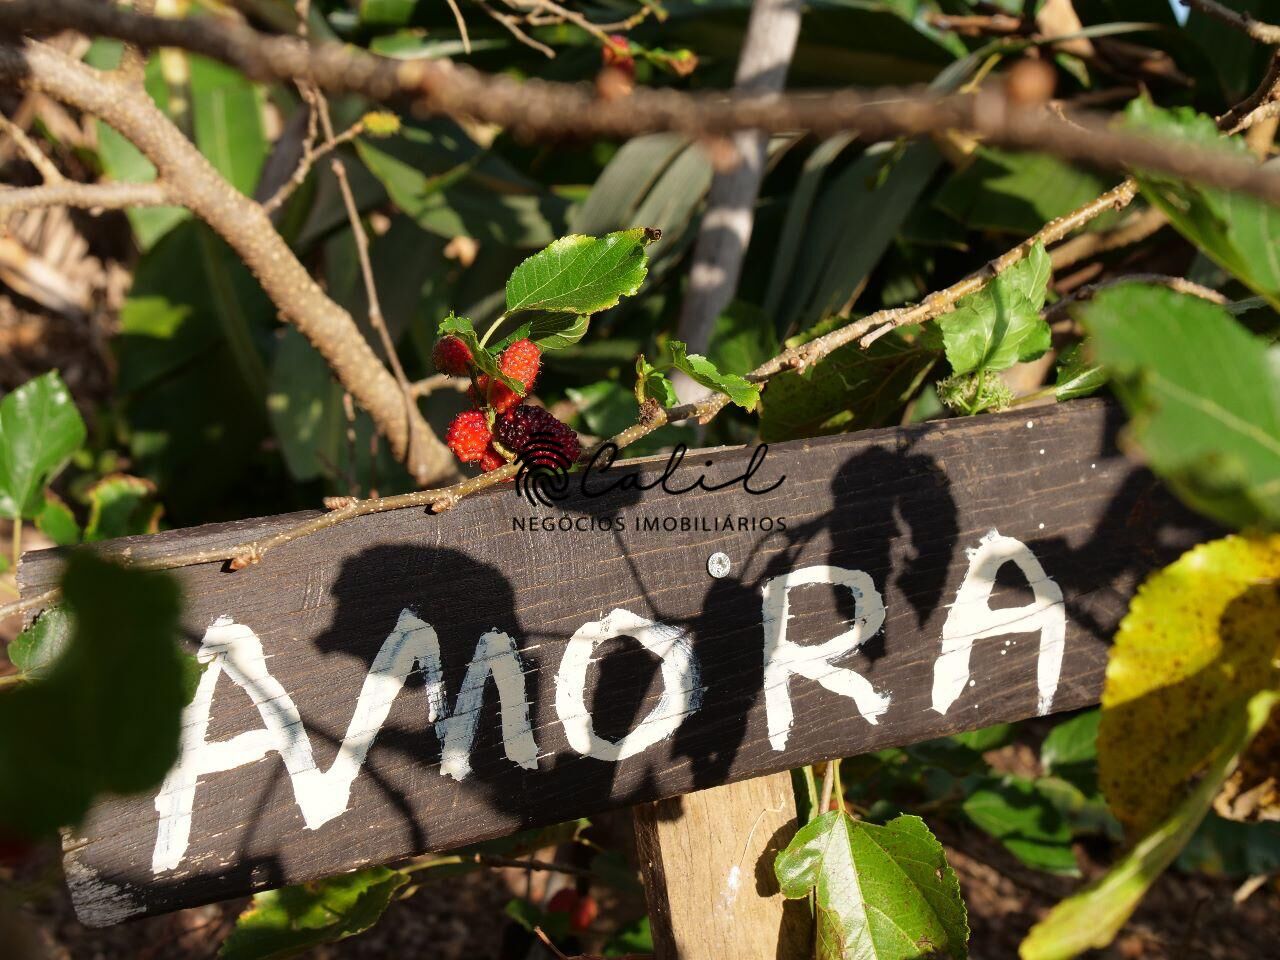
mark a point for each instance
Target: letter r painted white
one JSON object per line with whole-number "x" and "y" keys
{"x": 784, "y": 658}
{"x": 681, "y": 692}
{"x": 235, "y": 649}
{"x": 971, "y": 618}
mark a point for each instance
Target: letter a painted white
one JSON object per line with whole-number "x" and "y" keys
{"x": 971, "y": 618}
{"x": 783, "y": 657}
{"x": 681, "y": 692}
{"x": 237, "y": 650}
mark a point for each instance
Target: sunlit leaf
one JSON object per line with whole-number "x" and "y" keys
{"x": 121, "y": 506}
{"x": 1000, "y": 325}
{"x": 56, "y": 521}
{"x": 701, "y": 370}
{"x": 292, "y": 920}
{"x": 40, "y": 428}
{"x": 1203, "y": 394}
{"x": 1017, "y": 814}
{"x": 1200, "y": 636}
{"x": 1078, "y": 376}
{"x": 583, "y": 275}
{"x": 1093, "y": 917}
{"x": 882, "y": 892}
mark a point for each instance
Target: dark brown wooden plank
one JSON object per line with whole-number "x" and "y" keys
{"x": 906, "y": 507}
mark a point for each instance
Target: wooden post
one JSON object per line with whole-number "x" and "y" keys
{"x": 707, "y": 860}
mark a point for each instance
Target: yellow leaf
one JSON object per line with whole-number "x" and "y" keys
{"x": 1200, "y": 637}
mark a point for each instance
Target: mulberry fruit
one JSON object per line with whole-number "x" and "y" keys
{"x": 491, "y": 461}
{"x": 502, "y": 398}
{"x": 538, "y": 435}
{"x": 521, "y": 361}
{"x": 451, "y": 356}
{"x": 468, "y": 436}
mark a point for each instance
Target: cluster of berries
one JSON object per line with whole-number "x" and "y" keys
{"x": 501, "y": 422}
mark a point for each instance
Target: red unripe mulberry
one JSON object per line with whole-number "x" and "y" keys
{"x": 501, "y": 397}
{"x": 468, "y": 436}
{"x": 451, "y": 356}
{"x": 521, "y": 362}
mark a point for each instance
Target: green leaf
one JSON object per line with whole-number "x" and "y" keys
{"x": 1203, "y": 394}
{"x": 986, "y": 738}
{"x": 1017, "y": 192}
{"x": 1092, "y": 918}
{"x": 578, "y": 274}
{"x": 1000, "y": 325}
{"x": 56, "y": 521}
{"x": 1199, "y": 638}
{"x": 850, "y": 389}
{"x": 226, "y": 112}
{"x": 882, "y": 893}
{"x": 634, "y": 938}
{"x": 305, "y": 405}
{"x": 1238, "y": 232}
{"x": 121, "y": 506}
{"x": 1023, "y": 819}
{"x": 555, "y": 331}
{"x": 1071, "y": 743}
{"x": 652, "y": 382}
{"x": 701, "y": 370}
{"x": 105, "y": 717}
{"x": 1077, "y": 375}
{"x": 528, "y": 915}
{"x": 40, "y": 429}
{"x": 35, "y": 650}
{"x": 292, "y": 920}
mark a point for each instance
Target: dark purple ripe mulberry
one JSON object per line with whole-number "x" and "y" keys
{"x": 540, "y": 436}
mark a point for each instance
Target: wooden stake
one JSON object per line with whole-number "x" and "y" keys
{"x": 707, "y": 860}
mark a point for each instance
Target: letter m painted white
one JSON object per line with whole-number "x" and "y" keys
{"x": 234, "y": 649}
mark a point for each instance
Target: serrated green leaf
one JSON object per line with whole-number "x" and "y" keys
{"x": 578, "y": 274}
{"x": 1014, "y": 812}
{"x": 882, "y": 892}
{"x": 701, "y": 370}
{"x": 37, "y": 648}
{"x": 121, "y": 506}
{"x": 292, "y": 920}
{"x": 1203, "y": 394}
{"x": 1077, "y": 376}
{"x": 1000, "y": 325}
{"x": 40, "y": 428}
{"x": 56, "y": 521}
{"x": 106, "y": 716}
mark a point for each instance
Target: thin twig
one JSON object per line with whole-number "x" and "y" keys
{"x": 558, "y": 110}
{"x": 1257, "y": 115}
{"x": 1179, "y": 284}
{"x": 38, "y": 158}
{"x": 88, "y": 196}
{"x": 310, "y": 154}
{"x": 462, "y": 26}
{"x": 438, "y": 381}
{"x": 512, "y": 25}
{"x": 1258, "y": 30}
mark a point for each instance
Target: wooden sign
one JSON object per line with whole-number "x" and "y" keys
{"x": 405, "y": 683}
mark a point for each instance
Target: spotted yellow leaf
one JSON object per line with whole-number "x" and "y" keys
{"x": 1200, "y": 638}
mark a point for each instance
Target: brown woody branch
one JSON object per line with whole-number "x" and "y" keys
{"x": 558, "y": 110}
{"x": 90, "y": 196}
{"x": 191, "y": 181}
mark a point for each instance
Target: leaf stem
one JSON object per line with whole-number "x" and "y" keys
{"x": 493, "y": 328}
{"x": 838, "y": 788}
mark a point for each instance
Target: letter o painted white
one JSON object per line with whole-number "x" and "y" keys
{"x": 681, "y": 692}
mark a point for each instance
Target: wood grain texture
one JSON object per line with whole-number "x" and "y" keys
{"x": 707, "y": 860}
{"x": 902, "y": 505}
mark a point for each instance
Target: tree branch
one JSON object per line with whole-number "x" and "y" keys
{"x": 89, "y": 196}
{"x": 1262, "y": 32}
{"x": 558, "y": 110}
{"x": 192, "y": 182}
